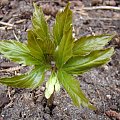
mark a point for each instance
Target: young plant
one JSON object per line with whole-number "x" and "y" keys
{"x": 57, "y": 52}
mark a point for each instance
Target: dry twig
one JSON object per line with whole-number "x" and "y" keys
{"x": 20, "y": 21}
{"x": 103, "y": 19}
{"x": 6, "y": 28}
{"x": 6, "y": 24}
{"x": 15, "y": 36}
{"x": 102, "y": 8}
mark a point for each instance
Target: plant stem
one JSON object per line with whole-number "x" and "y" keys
{"x": 50, "y": 100}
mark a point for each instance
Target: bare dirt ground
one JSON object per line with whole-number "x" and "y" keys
{"x": 101, "y": 85}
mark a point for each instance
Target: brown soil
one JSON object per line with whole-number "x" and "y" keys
{"x": 101, "y": 85}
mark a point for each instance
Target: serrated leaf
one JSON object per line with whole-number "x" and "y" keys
{"x": 41, "y": 30}
{"x": 62, "y": 24}
{"x": 18, "y": 52}
{"x": 64, "y": 51}
{"x": 50, "y": 85}
{"x": 72, "y": 87}
{"x": 40, "y": 24}
{"x": 80, "y": 64}
{"x": 85, "y": 45}
{"x": 31, "y": 79}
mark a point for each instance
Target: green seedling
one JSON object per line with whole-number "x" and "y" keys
{"x": 58, "y": 52}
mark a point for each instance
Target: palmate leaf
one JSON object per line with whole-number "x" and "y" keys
{"x": 52, "y": 85}
{"x": 63, "y": 23}
{"x": 58, "y": 53}
{"x": 85, "y": 45}
{"x": 29, "y": 80}
{"x": 41, "y": 31}
{"x": 72, "y": 87}
{"x": 18, "y": 52}
{"x": 80, "y": 64}
{"x": 64, "y": 51}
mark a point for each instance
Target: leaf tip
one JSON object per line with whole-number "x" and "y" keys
{"x": 67, "y": 6}
{"x": 34, "y": 4}
{"x": 90, "y": 106}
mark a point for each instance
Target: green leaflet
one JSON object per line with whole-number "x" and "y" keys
{"x": 47, "y": 45}
{"x": 80, "y": 64}
{"x": 42, "y": 32}
{"x": 34, "y": 45}
{"x": 64, "y": 51}
{"x": 18, "y": 52}
{"x": 85, "y": 45}
{"x": 30, "y": 80}
{"x": 51, "y": 85}
{"x": 39, "y": 23}
{"x": 72, "y": 87}
{"x": 57, "y": 86}
{"x": 63, "y": 23}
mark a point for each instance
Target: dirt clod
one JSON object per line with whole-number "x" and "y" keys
{"x": 3, "y": 100}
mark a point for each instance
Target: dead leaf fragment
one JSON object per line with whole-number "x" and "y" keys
{"x": 114, "y": 114}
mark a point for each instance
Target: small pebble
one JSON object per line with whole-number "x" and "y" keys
{"x": 107, "y": 2}
{"x": 14, "y": 4}
{"x": 1, "y": 118}
{"x": 47, "y": 110}
{"x": 114, "y": 107}
{"x": 109, "y": 96}
{"x": 40, "y": 98}
{"x": 42, "y": 89}
{"x": 112, "y": 3}
{"x": 47, "y": 117}
{"x": 106, "y": 67}
{"x": 95, "y": 2}
{"x": 4, "y": 2}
